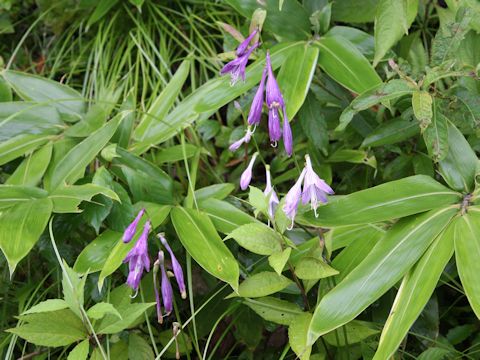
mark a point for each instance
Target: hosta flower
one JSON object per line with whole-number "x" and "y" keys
{"x": 315, "y": 190}
{"x": 167, "y": 291}
{"x": 293, "y": 198}
{"x": 245, "y": 139}
{"x": 156, "y": 267}
{"x": 237, "y": 66}
{"x": 274, "y": 102}
{"x": 138, "y": 259}
{"x": 270, "y": 194}
{"x": 177, "y": 268}
{"x": 247, "y": 173}
{"x": 287, "y": 134}
{"x": 132, "y": 228}
{"x": 242, "y": 48}
{"x": 255, "y": 114}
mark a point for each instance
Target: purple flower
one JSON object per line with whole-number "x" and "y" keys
{"x": 315, "y": 190}
{"x": 274, "y": 102}
{"x": 177, "y": 268}
{"x": 167, "y": 291}
{"x": 287, "y": 134}
{"x": 156, "y": 267}
{"x": 237, "y": 66}
{"x": 255, "y": 114}
{"x": 270, "y": 194}
{"x": 245, "y": 139}
{"x": 242, "y": 48}
{"x": 292, "y": 198}
{"x": 132, "y": 228}
{"x": 138, "y": 259}
{"x": 247, "y": 174}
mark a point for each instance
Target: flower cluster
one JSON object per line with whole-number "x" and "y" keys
{"x": 139, "y": 261}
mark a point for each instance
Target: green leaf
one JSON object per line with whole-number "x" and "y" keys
{"x": 66, "y": 199}
{"x": 272, "y": 309}
{"x": 57, "y": 328}
{"x": 163, "y": 102}
{"x": 80, "y": 352}
{"x": 20, "y": 145}
{"x": 93, "y": 256}
{"x": 353, "y": 156}
{"x": 201, "y": 240}
{"x": 422, "y": 107}
{"x": 382, "y": 92}
{"x": 362, "y": 40}
{"x": 295, "y": 77}
{"x": 389, "y": 260}
{"x": 129, "y": 313}
{"x": 46, "y": 306}
{"x": 297, "y": 336}
{"x": 102, "y": 8}
{"x": 66, "y": 171}
{"x": 257, "y": 238}
{"x": 36, "y": 88}
{"x": 216, "y": 191}
{"x": 5, "y": 91}
{"x": 467, "y": 252}
{"x": 31, "y": 170}
{"x": 356, "y": 331}
{"x": 388, "y": 32}
{"x": 436, "y": 136}
{"x": 314, "y": 124}
{"x": 458, "y": 167}
{"x": 354, "y": 11}
{"x": 391, "y": 132}
{"x": 310, "y": 268}
{"x": 262, "y": 284}
{"x": 279, "y": 259}
{"x": 341, "y": 60}
{"x": 14, "y": 194}
{"x": 73, "y": 289}
{"x": 175, "y": 153}
{"x": 99, "y": 310}
{"x": 392, "y": 200}
{"x": 343, "y": 236}
{"x": 22, "y": 225}
{"x": 416, "y": 289}
{"x": 138, "y": 348}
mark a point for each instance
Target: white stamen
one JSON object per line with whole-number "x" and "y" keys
{"x": 134, "y": 295}
{"x": 274, "y": 144}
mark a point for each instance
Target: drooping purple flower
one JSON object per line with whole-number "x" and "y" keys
{"x": 247, "y": 174}
{"x": 138, "y": 259}
{"x": 270, "y": 194}
{"x": 132, "y": 228}
{"x": 177, "y": 268}
{"x": 293, "y": 198}
{"x": 315, "y": 190}
{"x": 255, "y": 114}
{"x": 245, "y": 139}
{"x": 156, "y": 267}
{"x": 274, "y": 102}
{"x": 242, "y": 48}
{"x": 287, "y": 134}
{"x": 237, "y": 66}
{"x": 167, "y": 291}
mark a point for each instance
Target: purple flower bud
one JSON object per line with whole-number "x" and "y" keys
{"x": 177, "y": 268}
{"x": 292, "y": 198}
{"x": 242, "y": 48}
{"x": 237, "y": 66}
{"x": 287, "y": 134}
{"x": 167, "y": 291}
{"x": 156, "y": 267}
{"x": 274, "y": 130}
{"x": 138, "y": 259}
{"x": 132, "y": 228}
{"x": 274, "y": 96}
{"x": 246, "y": 139}
{"x": 315, "y": 190}
{"x": 255, "y": 114}
{"x": 247, "y": 174}
{"x": 270, "y": 194}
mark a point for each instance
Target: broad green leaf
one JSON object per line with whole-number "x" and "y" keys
{"x": 13, "y": 194}
{"x": 314, "y": 124}
{"x": 436, "y": 136}
{"x": 310, "y": 268}
{"x": 129, "y": 313}
{"x": 415, "y": 290}
{"x": 101, "y": 309}
{"x": 356, "y": 331}
{"x": 272, "y": 309}
{"x": 224, "y": 215}
{"x": 295, "y": 77}
{"x": 373, "y": 96}
{"x": 391, "y": 132}
{"x": 163, "y": 102}
{"x": 57, "y": 328}
{"x": 73, "y": 289}
{"x": 80, "y": 352}
{"x": 199, "y": 237}
{"x": 210, "y": 97}
{"x": 46, "y": 306}
{"x": 342, "y": 61}
{"x": 297, "y": 336}
{"x": 262, "y": 284}
{"x": 31, "y": 170}
{"x": 66, "y": 171}
{"x": 124, "y": 131}
{"x": 422, "y": 107}
{"x": 61, "y": 147}
{"x": 354, "y": 11}
{"x": 279, "y": 259}
{"x": 388, "y": 261}
{"x": 362, "y": 40}
{"x": 467, "y": 252}
{"x": 257, "y": 238}
{"x": 94, "y": 255}
{"x": 101, "y": 9}
{"x": 22, "y": 225}
{"x": 35, "y": 88}
{"x": 5, "y": 91}
{"x": 20, "y": 145}
{"x": 216, "y": 191}
{"x": 458, "y": 167}
{"x": 392, "y": 200}
{"x": 175, "y": 153}
{"x": 66, "y": 199}
{"x": 139, "y": 348}
{"x": 343, "y": 236}
{"x": 183, "y": 342}
{"x": 353, "y": 156}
